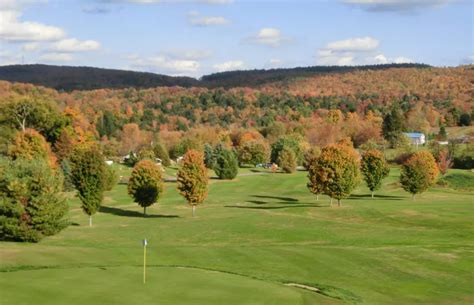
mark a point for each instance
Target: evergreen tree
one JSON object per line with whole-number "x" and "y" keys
{"x": 419, "y": 172}
{"x": 192, "y": 178}
{"x": 88, "y": 175}
{"x": 226, "y": 165}
{"x": 32, "y": 205}
{"x": 146, "y": 184}
{"x": 393, "y": 125}
{"x": 374, "y": 168}
{"x": 209, "y": 157}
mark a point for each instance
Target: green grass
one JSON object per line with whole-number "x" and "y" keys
{"x": 251, "y": 236}
{"x": 458, "y": 180}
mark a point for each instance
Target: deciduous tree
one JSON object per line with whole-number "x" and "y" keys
{"x": 192, "y": 178}
{"x": 88, "y": 173}
{"x": 146, "y": 184}
{"x": 226, "y": 165}
{"x": 419, "y": 172}
{"x": 374, "y": 168}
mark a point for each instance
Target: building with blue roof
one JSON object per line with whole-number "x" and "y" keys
{"x": 416, "y": 138}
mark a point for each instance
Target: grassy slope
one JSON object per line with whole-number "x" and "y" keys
{"x": 260, "y": 231}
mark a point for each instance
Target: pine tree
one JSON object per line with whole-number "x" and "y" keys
{"x": 32, "y": 204}
{"x": 374, "y": 168}
{"x": 226, "y": 165}
{"x": 192, "y": 178}
{"x": 146, "y": 184}
{"x": 88, "y": 175}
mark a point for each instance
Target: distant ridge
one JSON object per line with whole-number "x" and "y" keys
{"x": 68, "y": 78}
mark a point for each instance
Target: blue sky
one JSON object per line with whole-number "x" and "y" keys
{"x": 197, "y": 37}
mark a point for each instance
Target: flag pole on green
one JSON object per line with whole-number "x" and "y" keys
{"x": 145, "y": 243}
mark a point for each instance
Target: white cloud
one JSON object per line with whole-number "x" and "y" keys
{"x": 9, "y": 58}
{"x": 196, "y": 19}
{"x": 229, "y": 65}
{"x": 355, "y": 51}
{"x": 191, "y": 54}
{"x": 396, "y": 5}
{"x": 74, "y": 45}
{"x": 31, "y": 47}
{"x": 382, "y": 59}
{"x": 164, "y": 64}
{"x": 469, "y": 60}
{"x": 270, "y": 37}
{"x": 56, "y": 57}
{"x": 362, "y": 44}
{"x": 13, "y": 29}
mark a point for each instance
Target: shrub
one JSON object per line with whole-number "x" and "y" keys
{"x": 374, "y": 168}
{"x": 146, "y": 183}
{"x": 419, "y": 172}
{"x": 192, "y": 178}
{"x": 31, "y": 202}
{"x": 226, "y": 165}
{"x": 253, "y": 152}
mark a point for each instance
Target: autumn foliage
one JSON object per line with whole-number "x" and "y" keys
{"x": 145, "y": 184}
{"x": 335, "y": 172}
{"x": 192, "y": 178}
{"x": 419, "y": 172}
{"x": 29, "y": 145}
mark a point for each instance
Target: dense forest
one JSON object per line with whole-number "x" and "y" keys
{"x": 365, "y": 106}
{"x": 66, "y": 78}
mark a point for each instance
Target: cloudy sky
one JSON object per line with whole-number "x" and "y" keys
{"x": 197, "y": 37}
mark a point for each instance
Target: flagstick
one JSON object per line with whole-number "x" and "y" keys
{"x": 144, "y": 260}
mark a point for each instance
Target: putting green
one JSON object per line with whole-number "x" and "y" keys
{"x": 123, "y": 285}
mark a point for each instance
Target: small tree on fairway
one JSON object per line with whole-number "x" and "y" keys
{"x": 419, "y": 172}
{"x": 88, "y": 176}
{"x": 253, "y": 152}
{"x": 287, "y": 160}
{"x": 226, "y": 165}
{"x": 336, "y": 171}
{"x": 315, "y": 185}
{"x": 145, "y": 184}
{"x": 192, "y": 178}
{"x": 374, "y": 169}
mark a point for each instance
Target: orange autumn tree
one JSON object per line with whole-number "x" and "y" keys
{"x": 192, "y": 178}
{"x": 335, "y": 172}
{"x": 419, "y": 172}
{"x": 30, "y": 144}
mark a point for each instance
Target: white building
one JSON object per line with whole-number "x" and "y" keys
{"x": 416, "y": 138}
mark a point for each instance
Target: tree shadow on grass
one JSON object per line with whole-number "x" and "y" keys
{"x": 276, "y": 197}
{"x": 368, "y": 196}
{"x": 304, "y": 205}
{"x": 127, "y": 213}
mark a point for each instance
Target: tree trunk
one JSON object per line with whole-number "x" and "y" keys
{"x": 317, "y": 197}
{"x": 90, "y": 220}
{"x": 413, "y": 197}
{"x": 339, "y": 202}
{"x": 194, "y": 209}
{"x": 372, "y": 194}
{"x": 331, "y": 201}
{"x": 144, "y": 211}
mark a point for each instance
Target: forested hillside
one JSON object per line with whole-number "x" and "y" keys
{"x": 322, "y": 109}
{"x": 88, "y": 78}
